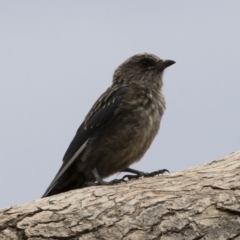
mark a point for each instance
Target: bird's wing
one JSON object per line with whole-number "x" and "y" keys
{"x": 102, "y": 112}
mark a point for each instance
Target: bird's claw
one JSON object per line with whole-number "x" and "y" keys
{"x": 145, "y": 174}
{"x": 114, "y": 181}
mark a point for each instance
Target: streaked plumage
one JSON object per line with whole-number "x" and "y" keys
{"x": 119, "y": 128}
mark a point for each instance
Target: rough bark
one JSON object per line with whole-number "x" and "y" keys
{"x": 197, "y": 203}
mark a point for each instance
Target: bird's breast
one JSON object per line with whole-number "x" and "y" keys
{"x": 141, "y": 125}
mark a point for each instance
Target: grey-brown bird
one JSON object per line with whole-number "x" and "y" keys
{"x": 119, "y": 128}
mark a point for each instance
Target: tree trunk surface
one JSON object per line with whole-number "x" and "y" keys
{"x": 198, "y": 203}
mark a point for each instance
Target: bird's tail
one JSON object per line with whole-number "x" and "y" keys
{"x": 69, "y": 180}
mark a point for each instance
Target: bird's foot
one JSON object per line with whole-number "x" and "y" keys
{"x": 113, "y": 182}
{"x": 100, "y": 181}
{"x": 139, "y": 174}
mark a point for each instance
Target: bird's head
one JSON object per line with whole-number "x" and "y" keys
{"x": 141, "y": 68}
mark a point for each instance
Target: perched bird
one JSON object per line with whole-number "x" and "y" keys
{"x": 119, "y": 128}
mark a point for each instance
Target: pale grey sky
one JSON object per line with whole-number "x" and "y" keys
{"x": 57, "y": 57}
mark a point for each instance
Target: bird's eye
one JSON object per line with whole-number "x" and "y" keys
{"x": 147, "y": 62}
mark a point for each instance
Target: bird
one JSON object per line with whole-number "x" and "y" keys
{"x": 119, "y": 128}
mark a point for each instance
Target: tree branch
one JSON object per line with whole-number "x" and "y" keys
{"x": 197, "y": 203}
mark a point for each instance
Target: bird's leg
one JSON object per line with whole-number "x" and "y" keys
{"x": 139, "y": 174}
{"x": 100, "y": 181}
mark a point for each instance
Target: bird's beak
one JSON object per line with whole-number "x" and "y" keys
{"x": 161, "y": 65}
{"x": 168, "y": 63}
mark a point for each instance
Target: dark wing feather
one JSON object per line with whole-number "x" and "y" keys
{"x": 98, "y": 117}
{"x": 101, "y": 113}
